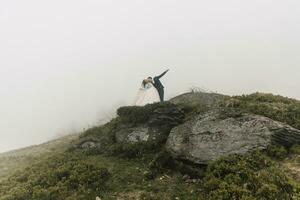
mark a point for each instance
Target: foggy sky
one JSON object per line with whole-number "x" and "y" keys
{"x": 67, "y": 64}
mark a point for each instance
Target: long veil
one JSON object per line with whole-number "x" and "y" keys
{"x": 147, "y": 94}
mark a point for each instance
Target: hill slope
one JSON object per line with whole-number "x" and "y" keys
{"x": 21, "y": 158}
{"x": 95, "y": 164}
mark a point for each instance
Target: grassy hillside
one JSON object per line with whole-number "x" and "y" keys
{"x": 146, "y": 171}
{"x": 19, "y": 159}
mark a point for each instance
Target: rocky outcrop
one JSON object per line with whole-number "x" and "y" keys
{"x": 213, "y": 135}
{"x": 197, "y": 98}
{"x": 159, "y": 120}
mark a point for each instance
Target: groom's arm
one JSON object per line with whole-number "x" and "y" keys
{"x": 162, "y": 74}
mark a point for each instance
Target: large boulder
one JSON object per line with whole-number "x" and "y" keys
{"x": 197, "y": 98}
{"x": 151, "y": 123}
{"x": 212, "y": 135}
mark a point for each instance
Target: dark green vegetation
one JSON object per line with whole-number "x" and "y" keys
{"x": 275, "y": 107}
{"x": 112, "y": 170}
{"x": 59, "y": 177}
{"x": 246, "y": 177}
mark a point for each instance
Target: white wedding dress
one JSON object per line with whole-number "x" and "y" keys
{"x": 146, "y": 95}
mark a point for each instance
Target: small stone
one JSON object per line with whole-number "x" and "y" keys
{"x": 88, "y": 145}
{"x": 186, "y": 177}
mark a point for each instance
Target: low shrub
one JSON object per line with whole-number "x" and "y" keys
{"x": 252, "y": 176}
{"x": 161, "y": 163}
{"x": 104, "y": 132}
{"x": 295, "y": 149}
{"x": 133, "y": 150}
{"x": 58, "y": 178}
{"x": 277, "y": 152}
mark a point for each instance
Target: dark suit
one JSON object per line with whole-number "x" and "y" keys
{"x": 159, "y": 86}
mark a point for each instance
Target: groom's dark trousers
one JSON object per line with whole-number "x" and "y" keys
{"x": 159, "y": 86}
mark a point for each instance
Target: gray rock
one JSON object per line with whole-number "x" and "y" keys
{"x": 155, "y": 129}
{"x": 213, "y": 135}
{"x": 197, "y": 98}
{"x": 142, "y": 133}
{"x": 88, "y": 144}
{"x": 133, "y": 135}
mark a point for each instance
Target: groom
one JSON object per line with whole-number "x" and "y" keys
{"x": 158, "y": 85}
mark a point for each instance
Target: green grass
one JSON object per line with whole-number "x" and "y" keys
{"x": 276, "y": 107}
{"x": 253, "y": 176}
{"x": 147, "y": 171}
{"x": 19, "y": 159}
{"x": 77, "y": 176}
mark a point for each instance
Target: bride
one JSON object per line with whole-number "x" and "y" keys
{"x": 147, "y": 94}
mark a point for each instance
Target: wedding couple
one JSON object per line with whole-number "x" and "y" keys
{"x": 152, "y": 91}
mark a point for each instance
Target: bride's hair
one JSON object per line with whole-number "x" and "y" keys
{"x": 144, "y": 82}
